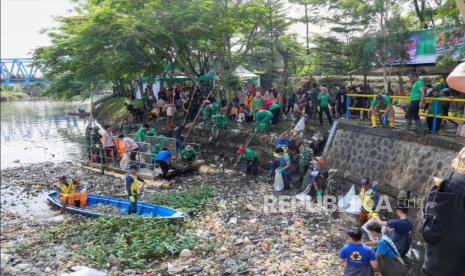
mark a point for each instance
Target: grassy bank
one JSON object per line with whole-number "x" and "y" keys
{"x": 112, "y": 110}
{"x": 13, "y": 95}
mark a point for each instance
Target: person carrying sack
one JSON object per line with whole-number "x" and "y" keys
{"x": 390, "y": 262}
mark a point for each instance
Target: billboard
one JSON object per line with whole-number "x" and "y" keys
{"x": 424, "y": 46}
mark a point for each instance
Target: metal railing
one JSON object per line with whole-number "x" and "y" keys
{"x": 435, "y": 115}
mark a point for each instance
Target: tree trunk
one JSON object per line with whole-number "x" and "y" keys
{"x": 384, "y": 18}
{"x": 306, "y": 29}
{"x": 420, "y": 14}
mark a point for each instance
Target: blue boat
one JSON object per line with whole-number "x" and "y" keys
{"x": 143, "y": 208}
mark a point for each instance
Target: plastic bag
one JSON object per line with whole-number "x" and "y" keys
{"x": 124, "y": 163}
{"x": 278, "y": 182}
{"x": 364, "y": 228}
{"x": 348, "y": 202}
{"x": 300, "y": 126}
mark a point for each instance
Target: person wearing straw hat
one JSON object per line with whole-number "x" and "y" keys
{"x": 444, "y": 223}
{"x": 189, "y": 153}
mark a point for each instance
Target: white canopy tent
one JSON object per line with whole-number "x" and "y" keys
{"x": 245, "y": 75}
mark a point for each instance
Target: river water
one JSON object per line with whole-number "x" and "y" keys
{"x": 38, "y": 131}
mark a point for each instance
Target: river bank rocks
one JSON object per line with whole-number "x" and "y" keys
{"x": 239, "y": 233}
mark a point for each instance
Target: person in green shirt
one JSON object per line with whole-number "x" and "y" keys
{"x": 189, "y": 153}
{"x": 417, "y": 101}
{"x": 381, "y": 102}
{"x": 252, "y": 160}
{"x": 141, "y": 134}
{"x": 274, "y": 108}
{"x": 323, "y": 104}
{"x": 440, "y": 111}
{"x": 263, "y": 120}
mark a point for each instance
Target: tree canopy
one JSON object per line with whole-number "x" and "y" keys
{"x": 121, "y": 41}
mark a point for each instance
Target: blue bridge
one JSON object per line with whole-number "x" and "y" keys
{"x": 20, "y": 71}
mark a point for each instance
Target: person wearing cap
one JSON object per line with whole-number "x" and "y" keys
{"x": 67, "y": 193}
{"x": 444, "y": 223}
{"x": 133, "y": 188}
{"x": 379, "y": 102}
{"x": 189, "y": 153}
{"x": 163, "y": 158}
{"x": 369, "y": 200}
{"x": 282, "y": 142}
{"x": 252, "y": 160}
{"x": 417, "y": 101}
{"x": 359, "y": 259}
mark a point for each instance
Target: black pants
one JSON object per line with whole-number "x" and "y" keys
{"x": 341, "y": 109}
{"x": 132, "y": 155}
{"x": 325, "y": 109}
{"x": 275, "y": 118}
{"x": 252, "y": 167}
{"x": 413, "y": 111}
{"x": 429, "y": 120}
{"x": 289, "y": 108}
{"x": 164, "y": 168}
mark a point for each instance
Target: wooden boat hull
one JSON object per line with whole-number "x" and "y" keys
{"x": 143, "y": 208}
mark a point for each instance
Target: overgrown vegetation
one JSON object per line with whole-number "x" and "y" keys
{"x": 137, "y": 241}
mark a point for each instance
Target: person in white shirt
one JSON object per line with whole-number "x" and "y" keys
{"x": 130, "y": 147}
{"x": 107, "y": 141}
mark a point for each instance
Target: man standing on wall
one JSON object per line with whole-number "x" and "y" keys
{"x": 417, "y": 100}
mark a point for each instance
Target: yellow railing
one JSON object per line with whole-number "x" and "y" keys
{"x": 434, "y": 115}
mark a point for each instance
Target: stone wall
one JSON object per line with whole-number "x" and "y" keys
{"x": 396, "y": 159}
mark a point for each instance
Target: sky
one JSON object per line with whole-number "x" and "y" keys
{"x": 22, "y": 21}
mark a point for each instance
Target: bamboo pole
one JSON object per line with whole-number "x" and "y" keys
{"x": 196, "y": 117}
{"x": 91, "y": 102}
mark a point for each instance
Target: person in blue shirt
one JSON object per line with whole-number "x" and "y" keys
{"x": 133, "y": 189}
{"x": 163, "y": 158}
{"x": 359, "y": 259}
{"x": 282, "y": 142}
{"x": 391, "y": 264}
{"x": 399, "y": 230}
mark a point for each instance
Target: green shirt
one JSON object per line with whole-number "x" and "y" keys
{"x": 323, "y": 99}
{"x": 189, "y": 153}
{"x": 258, "y": 104}
{"x": 140, "y": 135}
{"x": 263, "y": 116}
{"x": 220, "y": 120}
{"x": 440, "y": 107}
{"x": 415, "y": 94}
{"x": 386, "y": 102}
{"x": 248, "y": 154}
{"x": 273, "y": 106}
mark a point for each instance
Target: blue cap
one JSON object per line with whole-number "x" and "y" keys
{"x": 366, "y": 181}
{"x": 133, "y": 167}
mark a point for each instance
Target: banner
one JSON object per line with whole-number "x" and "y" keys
{"x": 424, "y": 46}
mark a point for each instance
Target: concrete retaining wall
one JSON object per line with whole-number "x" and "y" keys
{"x": 396, "y": 159}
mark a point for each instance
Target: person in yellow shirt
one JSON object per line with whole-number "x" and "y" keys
{"x": 369, "y": 198}
{"x": 132, "y": 187}
{"x": 67, "y": 193}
